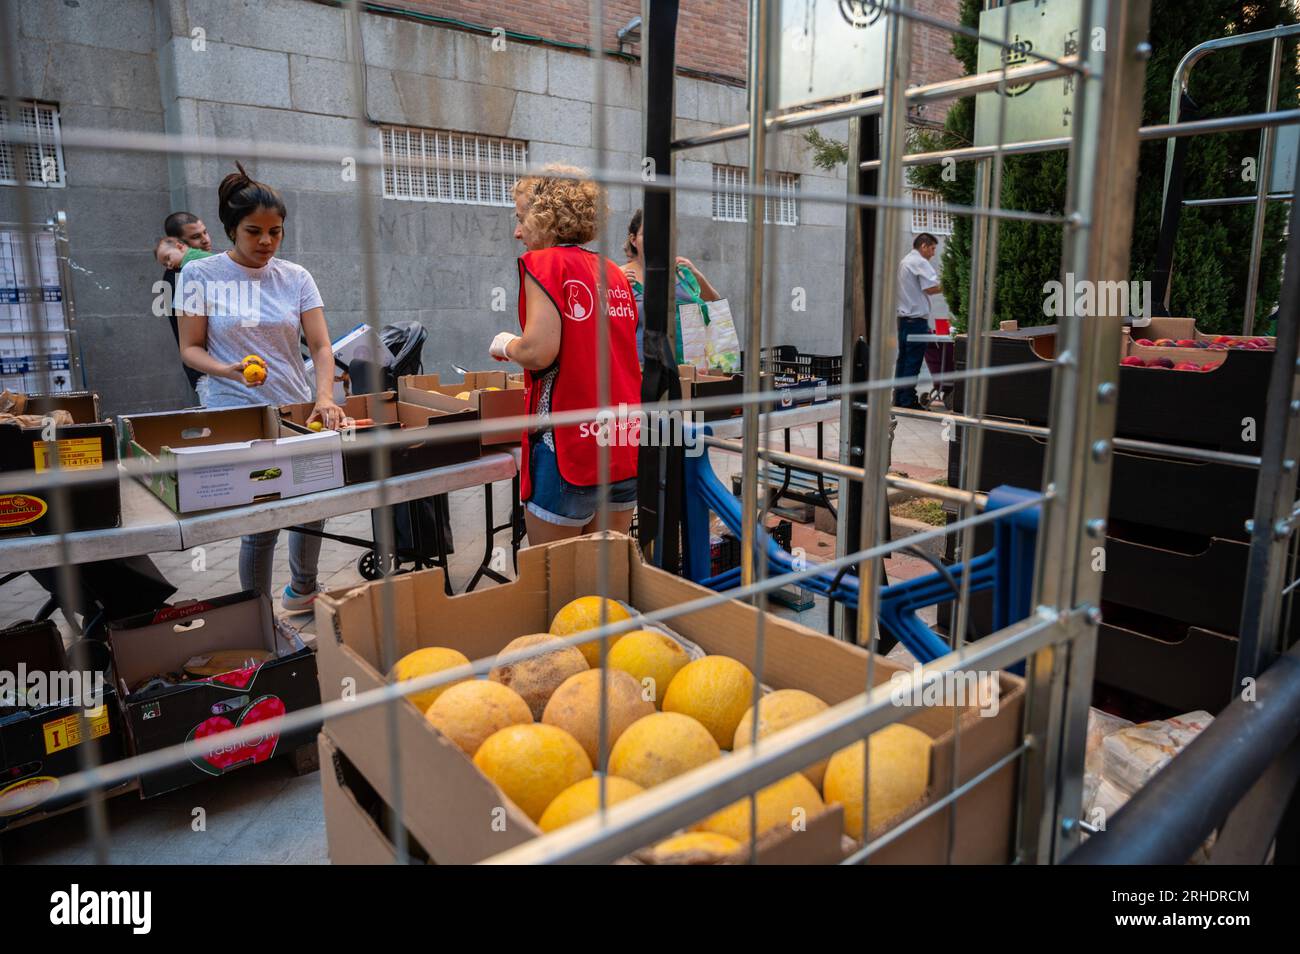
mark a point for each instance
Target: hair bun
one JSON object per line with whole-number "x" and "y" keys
{"x": 233, "y": 183}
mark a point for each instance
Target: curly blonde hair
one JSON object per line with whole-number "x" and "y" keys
{"x": 563, "y": 203}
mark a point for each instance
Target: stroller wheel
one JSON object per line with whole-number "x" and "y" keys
{"x": 371, "y": 568}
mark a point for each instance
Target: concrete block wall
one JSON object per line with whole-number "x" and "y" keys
{"x": 102, "y": 72}
{"x": 278, "y": 71}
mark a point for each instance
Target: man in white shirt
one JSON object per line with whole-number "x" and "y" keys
{"x": 917, "y": 281}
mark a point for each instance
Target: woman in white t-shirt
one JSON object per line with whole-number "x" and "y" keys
{"x": 247, "y": 302}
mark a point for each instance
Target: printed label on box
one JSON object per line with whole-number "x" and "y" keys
{"x": 65, "y": 733}
{"x": 312, "y": 468}
{"x": 17, "y": 510}
{"x": 75, "y": 453}
{"x": 27, "y": 794}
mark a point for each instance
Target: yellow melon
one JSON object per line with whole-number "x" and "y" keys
{"x": 716, "y": 691}
{"x": 582, "y": 614}
{"x": 424, "y": 662}
{"x": 463, "y": 396}
{"x": 651, "y": 658}
{"x": 583, "y": 798}
{"x": 780, "y": 710}
{"x": 532, "y": 764}
{"x": 695, "y": 848}
{"x": 781, "y": 805}
{"x": 900, "y": 772}
{"x": 660, "y": 746}
{"x": 535, "y": 678}
{"x": 575, "y": 708}
{"x": 469, "y": 712}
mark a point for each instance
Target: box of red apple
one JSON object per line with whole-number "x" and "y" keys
{"x": 1174, "y": 344}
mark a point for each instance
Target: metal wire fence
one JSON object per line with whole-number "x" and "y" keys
{"x": 1056, "y": 643}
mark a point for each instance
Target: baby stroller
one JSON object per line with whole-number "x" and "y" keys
{"x": 421, "y": 528}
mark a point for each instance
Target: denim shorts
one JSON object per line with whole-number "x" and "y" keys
{"x": 557, "y": 501}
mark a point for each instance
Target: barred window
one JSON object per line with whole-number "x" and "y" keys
{"x": 42, "y": 161}
{"x": 484, "y": 171}
{"x": 930, "y": 213}
{"x": 731, "y": 205}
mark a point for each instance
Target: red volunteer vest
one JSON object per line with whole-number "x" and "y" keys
{"x": 568, "y": 276}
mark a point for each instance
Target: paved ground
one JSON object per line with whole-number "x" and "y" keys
{"x": 267, "y": 815}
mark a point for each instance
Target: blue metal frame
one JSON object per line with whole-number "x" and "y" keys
{"x": 1007, "y": 569}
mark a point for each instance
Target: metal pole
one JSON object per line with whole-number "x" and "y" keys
{"x": 927, "y": 93}
{"x": 63, "y": 252}
{"x": 859, "y": 242}
{"x": 1264, "y": 172}
{"x": 1100, "y": 199}
{"x": 1183, "y": 73}
{"x": 883, "y": 336}
{"x": 758, "y": 27}
{"x": 1273, "y": 524}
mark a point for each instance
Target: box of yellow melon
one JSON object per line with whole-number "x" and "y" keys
{"x": 535, "y": 739}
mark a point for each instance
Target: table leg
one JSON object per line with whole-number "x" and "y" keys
{"x": 485, "y": 566}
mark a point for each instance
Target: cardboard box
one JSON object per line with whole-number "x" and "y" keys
{"x": 86, "y": 445}
{"x": 1197, "y": 409}
{"x": 178, "y": 449}
{"x": 700, "y": 384}
{"x": 389, "y": 413}
{"x": 356, "y": 817}
{"x": 430, "y": 390}
{"x": 148, "y": 645}
{"x": 39, "y": 744}
{"x": 448, "y": 802}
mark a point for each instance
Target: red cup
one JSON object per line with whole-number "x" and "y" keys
{"x": 942, "y": 326}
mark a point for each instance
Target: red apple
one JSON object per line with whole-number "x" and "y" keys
{"x": 1133, "y": 361}
{"x": 1223, "y": 339}
{"x": 1208, "y": 367}
{"x": 1165, "y": 343}
{"x": 1161, "y": 363}
{"x": 1187, "y": 366}
{"x": 1145, "y": 342}
{"x": 1185, "y": 343}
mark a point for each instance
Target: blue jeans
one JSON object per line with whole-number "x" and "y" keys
{"x": 257, "y": 560}
{"x": 911, "y": 355}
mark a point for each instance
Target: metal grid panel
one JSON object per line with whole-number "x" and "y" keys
{"x": 1057, "y": 638}
{"x": 478, "y": 170}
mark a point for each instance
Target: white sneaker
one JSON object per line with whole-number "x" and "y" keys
{"x": 297, "y": 603}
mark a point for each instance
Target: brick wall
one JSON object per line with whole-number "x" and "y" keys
{"x": 711, "y": 34}
{"x": 932, "y": 58}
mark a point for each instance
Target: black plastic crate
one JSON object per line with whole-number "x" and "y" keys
{"x": 724, "y": 550}
{"x": 791, "y": 365}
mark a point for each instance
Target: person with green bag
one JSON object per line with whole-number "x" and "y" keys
{"x": 692, "y": 286}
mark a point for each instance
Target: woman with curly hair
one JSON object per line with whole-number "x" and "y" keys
{"x": 557, "y": 213}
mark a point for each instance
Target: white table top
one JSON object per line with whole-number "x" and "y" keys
{"x": 150, "y": 526}
{"x": 938, "y": 339}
